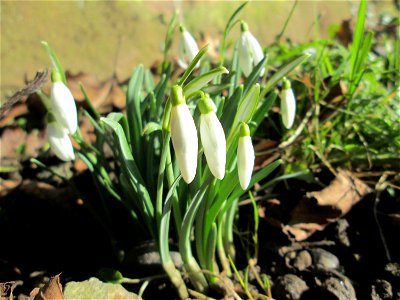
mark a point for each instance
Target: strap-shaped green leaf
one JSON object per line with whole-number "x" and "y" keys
{"x": 230, "y": 108}
{"x": 129, "y": 167}
{"x": 134, "y": 97}
{"x": 201, "y": 81}
{"x": 254, "y": 75}
{"x": 245, "y": 111}
{"x": 283, "y": 71}
{"x": 261, "y": 111}
{"x": 151, "y": 127}
{"x": 192, "y": 65}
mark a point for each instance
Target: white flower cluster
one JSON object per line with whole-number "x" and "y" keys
{"x": 62, "y": 119}
{"x": 185, "y": 141}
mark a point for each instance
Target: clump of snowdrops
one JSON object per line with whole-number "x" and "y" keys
{"x": 183, "y": 151}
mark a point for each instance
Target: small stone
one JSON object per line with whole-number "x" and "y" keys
{"x": 382, "y": 290}
{"x": 339, "y": 288}
{"x": 303, "y": 260}
{"x": 290, "y": 287}
{"x": 324, "y": 260}
{"x": 393, "y": 269}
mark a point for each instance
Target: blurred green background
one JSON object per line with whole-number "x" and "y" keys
{"x": 106, "y": 37}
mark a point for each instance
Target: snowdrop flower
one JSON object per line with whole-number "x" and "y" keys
{"x": 59, "y": 141}
{"x": 62, "y": 104}
{"x": 187, "y": 49}
{"x": 288, "y": 104}
{"x": 183, "y": 135}
{"x": 250, "y": 51}
{"x": 245, "y": 156}
{"x": 212, "y": 137}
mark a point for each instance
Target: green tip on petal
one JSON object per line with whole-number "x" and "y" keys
{"x": 182, "y": 28}
{"x": 243, "y": 26}
{"x": 205, "y": 105}
{"x": 50, "y": 118}
{"x": 244, "y": 129}
{"x": 177, "y": 95}
{"x": 55, "y": 76}
{"x": 286, "y": 84}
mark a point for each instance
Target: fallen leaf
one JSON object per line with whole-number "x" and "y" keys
{"x": 103, "y": 95}
{"x": 95, "y": 289}
{"x": 13, "y": 138}
{"x": 51, "y": 290}
{"x": 315, "y": 211}
{"x": 14, "y": 112}
{"x": 8, "y": 185}
{"x": 6, "y": 289}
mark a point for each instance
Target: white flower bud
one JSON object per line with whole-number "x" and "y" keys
{"x": 183, "y": 135}
{"x": 250, "y": 51}
{"x": 59, "y": 141}
{"x": 188, "y": 49}
{"x": 63, "y": 106}
{"x": 288, "y": 104}
{"x": 245, "y": 157}
{"x": 213, "y": 139}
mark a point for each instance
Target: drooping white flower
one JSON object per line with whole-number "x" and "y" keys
{"x": 288, "y": 104}
{"x": 250, "y": 51}
{"x": 187, "y": 49}
{"x": 63, "y": 105}
{"x": 213, "y": 138}
{"x": 183, "y": 135}
{"x": 245, "y": 156}
{"x": 59, "y": 141}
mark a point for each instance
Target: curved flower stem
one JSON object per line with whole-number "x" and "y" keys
{"x": 196, "y": 275}
{"x": 227, "y": 236}
{"x": 220, "y": 248}
{"x": 163, "y": 219}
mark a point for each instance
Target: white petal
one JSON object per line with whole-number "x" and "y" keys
{"x": 256, "y": 51}
{"x": 245, "y": 57}
{"x": 288, "y": 107}
{"x": 59, "y": 141}
{"x": 184, "y": 140}
{"x": 214, "y": 144}
{"x": 63, "y": 106}
{"x": 245, "y": 161}
{"x": 188, "y": 50}
{"x": 181, "y": 60}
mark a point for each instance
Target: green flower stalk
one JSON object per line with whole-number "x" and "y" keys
{"x": 212, "y": 137}
{"x": 183, "y": 135}
{"x": 245, "y": 156}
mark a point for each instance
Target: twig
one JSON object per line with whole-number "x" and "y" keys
{"x": 298, "y": 131}
{"x": 380, "y": 186}
{"x": 303, "y": 245}
{"x": 323, "y": 159}
{"x": 39, "y": 80}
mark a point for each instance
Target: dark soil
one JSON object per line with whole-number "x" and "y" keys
{"x": 47, "y": 230}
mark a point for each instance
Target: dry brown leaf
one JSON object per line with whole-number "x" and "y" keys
{"x": 103, "y": 95}
{"x": 14, "y": 112}
{"x": 6, "y": 289}
{"x": 332, "y": 202}
{"x": 8, "y": 185}
{"x": 14, "y": 137}
{"x": 51, "y": 290}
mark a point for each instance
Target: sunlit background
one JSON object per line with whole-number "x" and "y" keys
{"x": 110, "y": 37}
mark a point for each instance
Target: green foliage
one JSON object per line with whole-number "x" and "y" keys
{"x": 348, "y": 113}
